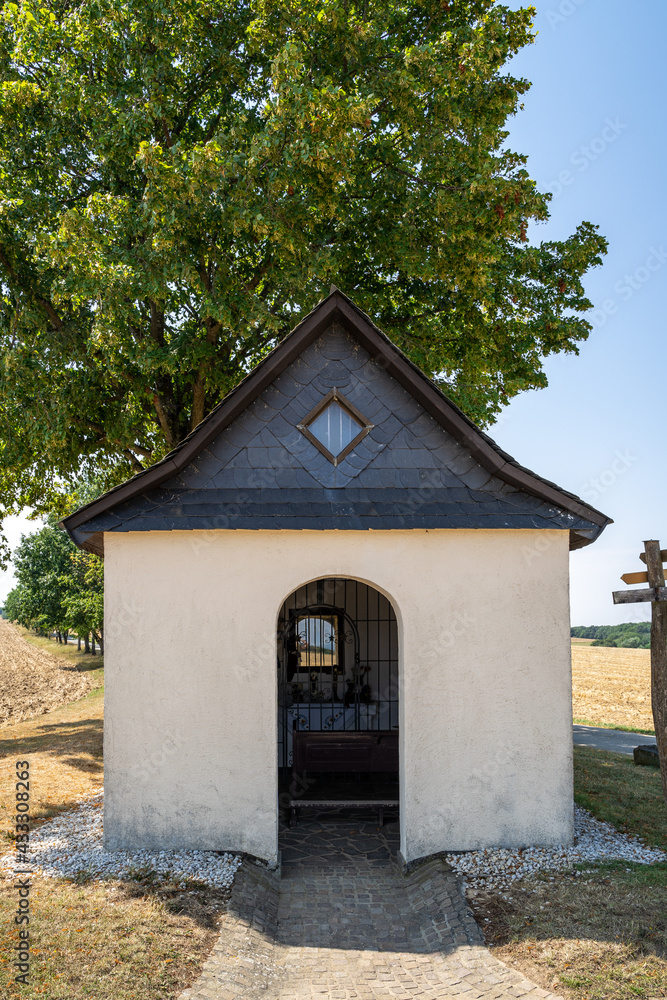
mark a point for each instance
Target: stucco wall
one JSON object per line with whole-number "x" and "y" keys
{"x": 485, "y": 708}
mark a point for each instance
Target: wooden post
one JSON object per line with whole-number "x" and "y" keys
{"x": 656, "y": 578}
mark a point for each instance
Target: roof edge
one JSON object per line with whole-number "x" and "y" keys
{"x": 337, "y": 306}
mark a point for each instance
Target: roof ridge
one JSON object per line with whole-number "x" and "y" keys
{"x": 337, "y": 306}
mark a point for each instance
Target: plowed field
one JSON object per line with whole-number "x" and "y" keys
{"x": 33, "y": 681}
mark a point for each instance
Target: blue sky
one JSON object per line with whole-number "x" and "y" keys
{"x": 593, "y": 128}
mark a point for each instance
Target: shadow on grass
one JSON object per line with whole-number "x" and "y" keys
{"x": 83, "y": 764}
{"x": 183, "y": 897}
{"x": 614, "y": 789}
{"x": 96, "y": 663}
{"x": 53, "y": 727}
{"x": 614, "y": 903}
{"x": 61, "y": 739}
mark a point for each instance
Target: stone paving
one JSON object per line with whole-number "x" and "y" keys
{"x": 342, "y": 922}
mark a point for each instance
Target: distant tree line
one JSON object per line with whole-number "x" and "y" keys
{"x": 629, "y": 635}
{"x": 59, "y": 589}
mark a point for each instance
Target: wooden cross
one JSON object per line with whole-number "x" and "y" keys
{"x": 656, "y": 593}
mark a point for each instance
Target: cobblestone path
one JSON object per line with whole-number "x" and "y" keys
{"x": 343, "y": 923}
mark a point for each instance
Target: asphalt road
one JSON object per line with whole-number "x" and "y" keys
{"x": 609, "y": 739}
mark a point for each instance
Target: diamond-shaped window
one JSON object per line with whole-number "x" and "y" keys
{"x": 335, "y": 426}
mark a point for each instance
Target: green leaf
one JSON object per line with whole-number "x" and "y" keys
{"x": 183, "y": 182}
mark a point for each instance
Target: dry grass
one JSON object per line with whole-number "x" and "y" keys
{"x": 600, "y": 934}
{"x": 612, "y": 686}
{"x": 130, "y": 940}
{"x": 65, "y": 753}
{"x": 34, "y": 680}
{"x": 126, "y": 940}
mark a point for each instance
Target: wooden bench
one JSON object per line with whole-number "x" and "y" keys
{"x": 371, "y": 752}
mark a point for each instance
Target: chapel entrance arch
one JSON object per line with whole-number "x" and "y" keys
{"x": 338, "y": 677}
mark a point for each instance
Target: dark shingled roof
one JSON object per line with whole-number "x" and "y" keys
{"x": 422, "y": 465}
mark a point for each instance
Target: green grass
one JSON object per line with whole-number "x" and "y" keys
{"x": 614, "y": 789}
{"x": 598, "y": 931}
{"x": 628, "y": 873}
{"x": 98, "y": 679}
{"x": 82, "y": 661}
{"x": 609, "y": 725}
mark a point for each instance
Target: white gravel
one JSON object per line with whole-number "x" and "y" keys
{"x": 594, "y": 840}
{"x": 71, "y": 844}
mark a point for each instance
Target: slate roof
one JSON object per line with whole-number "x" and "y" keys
{"x": 422, "y": 465}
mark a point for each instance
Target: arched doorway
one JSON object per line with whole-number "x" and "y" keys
{"x": 338, "y": 675}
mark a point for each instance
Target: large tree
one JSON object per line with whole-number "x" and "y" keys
{"x": 59, "y": 588}
{"x": 180, "y": 182}
{"x": 42, "y": 562}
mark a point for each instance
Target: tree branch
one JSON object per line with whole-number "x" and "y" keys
{"x": 134, "y": 461}
{"x": 164, "y": 421}
{"x": 199, "y": 386}
{"x": 418, "y": 179}
{"x": 157, "y": 324}
{"x": 56, "y": 321}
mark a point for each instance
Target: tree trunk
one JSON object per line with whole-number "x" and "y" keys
{"x": 87, "y": 644}
{"x": 199, "y": 386}
{"x": 93, "y": 644}
{"x": 78, "y": 644}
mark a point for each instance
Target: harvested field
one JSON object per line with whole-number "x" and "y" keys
{"x": 33, "y": 681}
{"x": 612, "y": 687}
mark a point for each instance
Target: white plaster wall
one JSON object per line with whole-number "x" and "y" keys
{"x": 190, "y": 720}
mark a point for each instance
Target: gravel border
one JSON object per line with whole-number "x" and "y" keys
{"x": 70, "y": 845}
{"x": 594, "y": 840}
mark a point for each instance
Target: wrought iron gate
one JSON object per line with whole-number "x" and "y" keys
{"x": 337, "y": 660}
